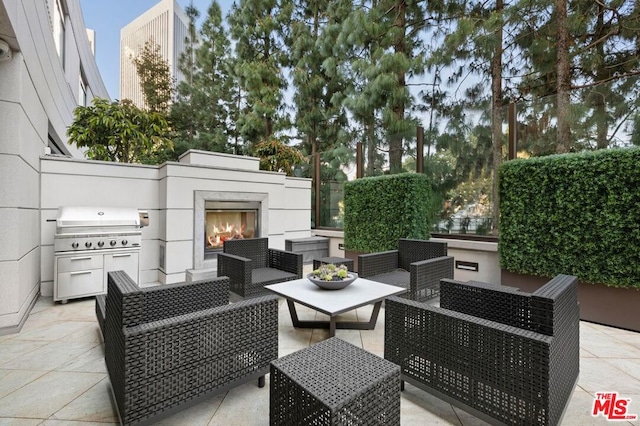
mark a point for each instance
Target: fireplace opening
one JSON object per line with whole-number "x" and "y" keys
{"x": 227, "y": 221}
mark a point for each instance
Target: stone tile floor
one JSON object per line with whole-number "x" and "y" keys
{"x": 53, "y": 373}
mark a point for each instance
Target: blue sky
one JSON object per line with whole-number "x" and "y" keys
{"x": 107, "y": 17}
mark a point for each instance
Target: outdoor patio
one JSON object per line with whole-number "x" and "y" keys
{"x": 53, "y": 373}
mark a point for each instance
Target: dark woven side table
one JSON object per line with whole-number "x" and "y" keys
{"x": 333, "y": 260}
{"x": 334, "y": 383}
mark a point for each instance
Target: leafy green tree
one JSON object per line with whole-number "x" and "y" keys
{"x": 119, "y": 131}
{"x": 276, "y": 156}
{"x": 156, "y": 81}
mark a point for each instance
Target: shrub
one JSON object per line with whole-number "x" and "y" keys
{"x": 574, "y": 214}
{"x": 380, "y": 210}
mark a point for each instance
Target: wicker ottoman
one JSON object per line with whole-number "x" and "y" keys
{"x": 334, "y": 383}
{"x": 333, "y": 260}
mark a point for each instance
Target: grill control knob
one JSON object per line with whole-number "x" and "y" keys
{"x": 75, "y": 244}
{"x": 100, "y": 243}
{"x": 125, "y": 242}
{"x": 112, "y": 243}
{"x": 87, "y": 244}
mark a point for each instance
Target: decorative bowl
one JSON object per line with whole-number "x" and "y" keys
{"x": 333, "y": 285}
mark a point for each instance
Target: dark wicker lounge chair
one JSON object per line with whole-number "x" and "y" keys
{"x": 505, "y": 356}
{"x": 417, "y": 265}
{"x": 250, "y": 265}
{"x": 170, "y": 347}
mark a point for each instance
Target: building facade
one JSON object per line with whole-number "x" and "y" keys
{"x": 164, "y": 24}
{"x": 49, "y": 70}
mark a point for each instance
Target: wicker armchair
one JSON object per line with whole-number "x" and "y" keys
{"x": 170, "y": 347}
{"x": 250, "y": 265}
{"x": 503, "y": 355}
{"x": 416, "y": 265}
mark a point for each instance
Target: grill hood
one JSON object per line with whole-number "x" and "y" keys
{"x": 97, "y": 217}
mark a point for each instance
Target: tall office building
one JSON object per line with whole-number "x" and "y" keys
{"x": 165, "y": 24}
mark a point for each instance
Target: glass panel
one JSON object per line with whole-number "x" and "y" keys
{"x": 459, "y": 161}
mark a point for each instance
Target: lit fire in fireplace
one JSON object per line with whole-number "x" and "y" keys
{"x": 220, "y": 234}
{"x": 228, "y": 225}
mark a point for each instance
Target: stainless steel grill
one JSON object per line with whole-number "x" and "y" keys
{"x": 91, "y": 241}
{"x": 97, "y": 228}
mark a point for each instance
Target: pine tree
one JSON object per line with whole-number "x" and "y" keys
{"x": 201, "y": 113}
{"x": 473, "y": 34}
{"x": 564, "y": 77}
{"x": 320, "y": 119}
{"x": 213, "y": 84}
{"x": 602, "y": 64}
{"x": 257, "y": 26}
{"x": 381, "y": 38}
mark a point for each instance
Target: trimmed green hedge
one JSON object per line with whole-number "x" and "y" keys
{"x": 380, "y": 210}
{"x": 575, "y": 214}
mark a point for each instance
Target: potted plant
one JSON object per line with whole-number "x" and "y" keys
{"x": 574, "y": 214}
{"x": 332, "y": 277}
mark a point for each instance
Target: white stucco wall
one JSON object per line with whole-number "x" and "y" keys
{"x": 37, "y": 98}
{"x": 167, "y": 192}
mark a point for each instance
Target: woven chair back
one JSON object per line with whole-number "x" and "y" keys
{"x": 255, "y": 249}
{"x": 410, "y": 251}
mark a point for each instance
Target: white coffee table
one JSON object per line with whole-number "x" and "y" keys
{"x": 334, "y": 302}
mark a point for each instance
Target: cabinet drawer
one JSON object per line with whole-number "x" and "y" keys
{"x": 79, "y": 284}
{"x": 79, "y": 263}
{"x": 127, "y": 262}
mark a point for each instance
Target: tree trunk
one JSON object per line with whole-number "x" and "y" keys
{"x": 395, "y": 142}
{"x": 602, "y": 128}
{"x": 371, "y": 148}
{"x": 496, "y": 118}
{"x": 564, "y": 79}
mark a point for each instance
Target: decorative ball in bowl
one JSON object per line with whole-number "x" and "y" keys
{"x": 332, "y": 277}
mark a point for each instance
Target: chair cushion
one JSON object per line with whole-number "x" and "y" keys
{"x": 397, "y": 277}
{"x": 270, "y": 275}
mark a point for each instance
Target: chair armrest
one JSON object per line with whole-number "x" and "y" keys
{"x": 506, "y": 305}
{"x": 425, "y": 276}
{"x": 554, "y": 306}
{"x": 123, "y": 302}
{"x": 171, "y": 300}
{"x": 377, "y": 263}
{"x": 237, "y": 268}
{"x": 286, "y": 261}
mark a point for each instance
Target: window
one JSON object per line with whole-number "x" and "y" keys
{"x": 82, "y": 90}
{"x": 58, "y": 29}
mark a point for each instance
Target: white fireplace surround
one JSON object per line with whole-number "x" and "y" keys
{"x": 200, "y": 199}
